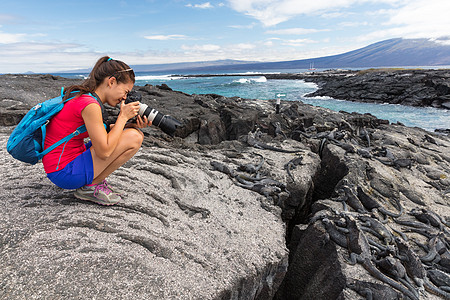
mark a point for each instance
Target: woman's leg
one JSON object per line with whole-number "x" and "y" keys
{"x": 129, "y": 143}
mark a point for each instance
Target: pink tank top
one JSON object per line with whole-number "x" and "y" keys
{"x": 61, "y": 125}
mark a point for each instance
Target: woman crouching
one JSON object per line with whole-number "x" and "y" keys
{"x": 85, "y": 167}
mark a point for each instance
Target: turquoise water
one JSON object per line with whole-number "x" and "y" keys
{"x": 258, "y": 87}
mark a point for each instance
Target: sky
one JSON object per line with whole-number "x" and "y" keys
{"x": 51, "y": 36}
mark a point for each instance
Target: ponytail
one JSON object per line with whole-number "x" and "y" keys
{"x": 105, "y": 67}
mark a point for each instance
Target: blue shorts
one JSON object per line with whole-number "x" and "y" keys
{"x": 75, "y": 174}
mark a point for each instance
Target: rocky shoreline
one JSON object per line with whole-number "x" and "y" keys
{"x": 242, "y": 203}
{"x": 414, "y": 87}
{"x": 426, "y": 88}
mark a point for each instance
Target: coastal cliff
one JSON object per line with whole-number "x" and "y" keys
{"x": 242, "y": 203}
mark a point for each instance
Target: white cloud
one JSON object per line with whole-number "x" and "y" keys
{"x": 205, "y": 5}
{"x": 295, "y": 31}
{"x": 9, "y": 38}
{"x": 353, "y": 24}
{"x": 206, "y": 48}
{"x": 298, "y": 42}
{"x": 232, "y": 51}
{"x": 416, "y": 19}
{"x": 273, "y": 12}
{"x": 53, "y": 57}
{"x": 423, "y": 18}
{"x": 404, "y": 18}
{"x": 334, "y": 15}
{"x": 43, "y": 57}
{"x": 166, "y": 37}
{"x": 250, "y": 26}
{"x": 443, "y": 41}
{"x": 244, "y": 46}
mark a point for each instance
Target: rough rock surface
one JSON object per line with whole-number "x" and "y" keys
{"x": 180, "y": 233}
{"x": 414, "y": 87}
{"x": 394, "y": 86}
{"x": 362, "y": 205}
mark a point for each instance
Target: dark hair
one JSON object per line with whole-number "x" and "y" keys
{"x": 105, "y": 67}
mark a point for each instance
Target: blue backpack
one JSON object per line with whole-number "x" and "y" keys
{"x": 26, "y": 142}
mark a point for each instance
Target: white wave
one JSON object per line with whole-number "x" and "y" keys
{"x": 242, "y": 80}
{"x": 310, "y": 84}
{"x": 322, "y": 98}
{"x": 261, "y": 79}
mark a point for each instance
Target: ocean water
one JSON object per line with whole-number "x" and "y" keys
{"x": 257, "y": 86}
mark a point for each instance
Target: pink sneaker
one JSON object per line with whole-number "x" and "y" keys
{"x": 99, "y": 193}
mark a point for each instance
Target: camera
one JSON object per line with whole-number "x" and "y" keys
{"x": 166, "y": 123}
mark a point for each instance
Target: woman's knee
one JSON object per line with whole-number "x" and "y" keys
{"x": 134, "y": 137}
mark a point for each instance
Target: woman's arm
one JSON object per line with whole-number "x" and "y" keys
{"x": 104, "y": 143}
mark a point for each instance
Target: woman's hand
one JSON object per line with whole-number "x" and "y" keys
{"x": 129, "y": 110}
{"x": 142, "y": 122}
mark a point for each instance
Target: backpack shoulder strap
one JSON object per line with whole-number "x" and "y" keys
{"x": 65, "y": 139}
{"x": 44, "y": 126}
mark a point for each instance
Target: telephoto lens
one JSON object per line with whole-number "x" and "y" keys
{"x": 166, "y": 123}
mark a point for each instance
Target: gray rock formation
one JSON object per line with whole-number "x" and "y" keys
{"x": 395, "y": 86}
{"x": 414, "y": 87}
{"x": 363, "y": 207}
{"x": 180, "y": 233}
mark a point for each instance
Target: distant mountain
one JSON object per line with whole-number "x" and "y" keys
{"x": 189, "y": 65}
{"x": 388, "y": 53}
{"x": 177, "y": 66}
